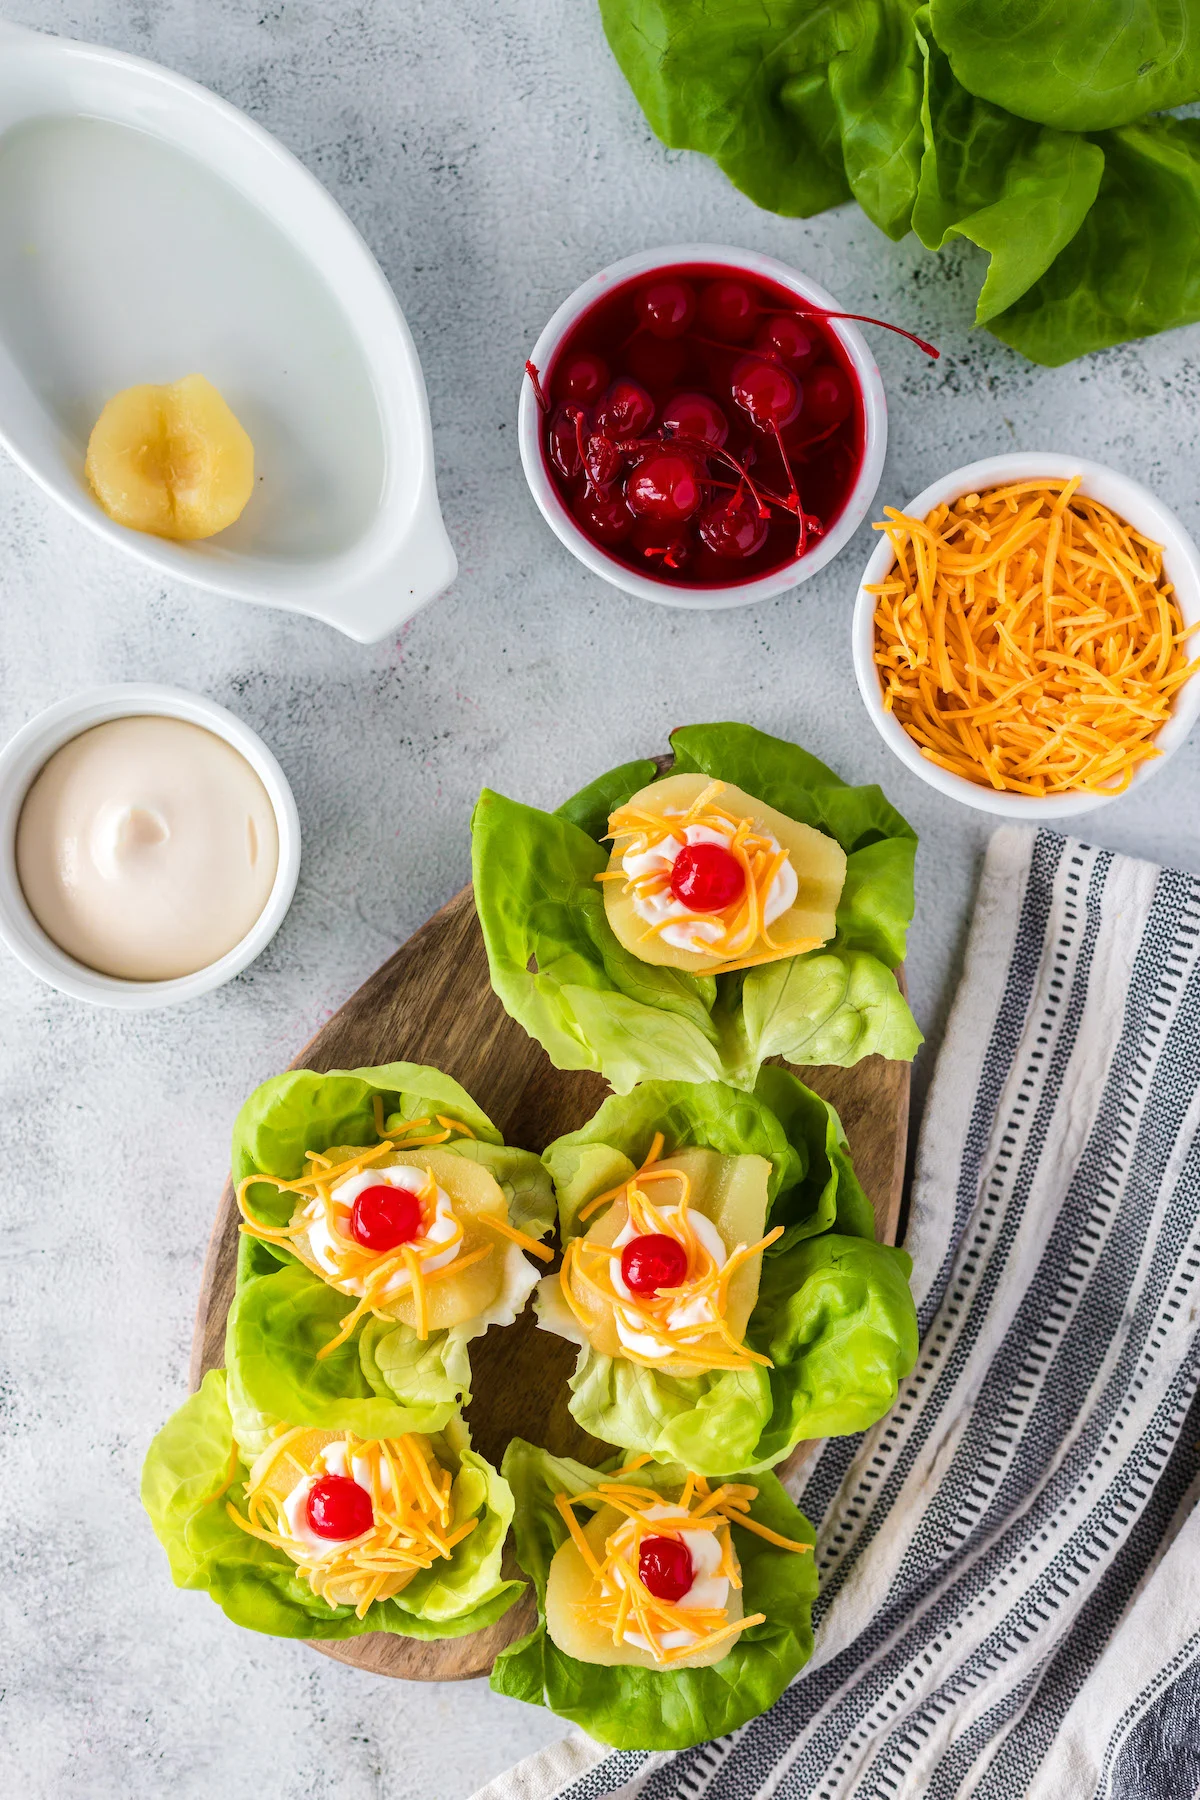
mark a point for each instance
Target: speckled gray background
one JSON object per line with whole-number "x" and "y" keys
{"x": 492, "y": 156}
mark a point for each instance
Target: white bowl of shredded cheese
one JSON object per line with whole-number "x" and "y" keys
{"x": 1066, "y": 688}
{"x": 142, "y": 868}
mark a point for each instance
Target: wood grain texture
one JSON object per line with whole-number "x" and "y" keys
{"x": 432, "y": 1002}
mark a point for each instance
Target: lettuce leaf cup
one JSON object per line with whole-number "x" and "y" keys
{"x": 384, "y": 1226}
{"x": 305, "y": 1533}
{"x": 721, "y": 1277}
{"x": 668, "y": 1612}
{"x": 752, "y": 905}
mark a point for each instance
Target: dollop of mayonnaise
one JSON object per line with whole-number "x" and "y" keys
{"x": 147, "y": 848}
{"x": 442, "y": 1226}
{"x": 699, "y": 1311}
{"x": 697, "y": 932}
{"x": 708, "y": 1589}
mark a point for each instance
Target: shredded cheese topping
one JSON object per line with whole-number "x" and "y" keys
{"x": 617, "y": 1601}
{"x": 687, "y": 1323}
{"x": 372, "y": 1275}
{"x": 1028, "y": 639}
{"x": 410, "y": 1498}
{"x": 740, "y": 934}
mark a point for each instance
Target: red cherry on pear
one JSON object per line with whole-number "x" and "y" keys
{"x": 584, "y": 379}
{"x": 665, "y": 1567}
{"x": 626, "y": 410}
{"x": 653, "y": 1261}
{"x": 604, "y": 517}
{"x": 733, "y": 528}
{"x": 666, "y": 307}
{"x": 828, "y": 396}
{"x": 667, "y": 485}
{"x": 707, "y": 877}
{"x": 695, "y": 416}
{"x": 785, "y": 338}
{"x": 383, "y": 1217}
{"x": 339, "y": 1508}
{"x": 728, "y": 310}
{"x": 767, "y": 392}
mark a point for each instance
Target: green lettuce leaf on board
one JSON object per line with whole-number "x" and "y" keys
{"x": 559, "y": 969}
{"x": 384, "y": 1380}
{"x": 834, "y": 1312}
{"x": 643, "y": 1709}
{"x": 195, "y": 1468}
{"x": 1032, "y": 129}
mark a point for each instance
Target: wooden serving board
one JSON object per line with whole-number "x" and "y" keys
{"x": 432, "y": 1002}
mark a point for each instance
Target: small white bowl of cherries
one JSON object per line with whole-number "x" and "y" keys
{"x": 703, "y": 426}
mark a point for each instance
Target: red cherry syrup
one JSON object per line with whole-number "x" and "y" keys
{"x": 702, "y": 425}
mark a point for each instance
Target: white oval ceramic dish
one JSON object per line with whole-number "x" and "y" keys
{"x": 1131, "y": 501}
{"x": 764, "y": 587}
{"x": 150, "y": 231}
{"x": 31, "y": 748}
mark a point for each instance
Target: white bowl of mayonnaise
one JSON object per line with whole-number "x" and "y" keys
{"x": 149, "y": 846}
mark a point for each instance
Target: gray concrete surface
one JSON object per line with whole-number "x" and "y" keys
{"x": 493, "y": 157}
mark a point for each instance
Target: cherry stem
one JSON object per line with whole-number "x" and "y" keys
{"x": 866, "y": 319}
{"x": 539, "y": 390}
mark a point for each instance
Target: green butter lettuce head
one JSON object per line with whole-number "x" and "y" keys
{"x": 1080, "y": 67}
{"x": 643, "y": 1709}
{"x": 834, "y": 1313}
{"x": 384, "y": 1380}
{"x": 194, "y": 1469}
{"x": 559, "y": 969}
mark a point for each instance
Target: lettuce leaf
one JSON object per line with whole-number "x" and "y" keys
{"x": 834, "y": 1313}
{"x": 802, "y": 103}
{"x": 383, "y": 1380}
{"x": 1133, "y": 267}
{"x": 193, "y": 1468}
{"x": 558, "y": 968}
{"x": 1019, "y": 191}
{"x": 643, "y": 1709}
{"x": 1079, "y": 70}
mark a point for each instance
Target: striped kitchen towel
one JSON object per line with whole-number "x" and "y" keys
{"x": 1010, "y": 1561}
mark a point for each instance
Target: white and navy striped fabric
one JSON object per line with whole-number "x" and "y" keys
{"x": 1010, "y": 1562}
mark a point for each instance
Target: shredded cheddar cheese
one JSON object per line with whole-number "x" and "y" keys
{"x": 618, "y": 1600}
{"x": 1027, "y": 639}
{"x": 746, "y": 939}
{"x": 359, "y": 1270}
{"x": 586, "y": 1280}
{"x": 413, "y": 1516}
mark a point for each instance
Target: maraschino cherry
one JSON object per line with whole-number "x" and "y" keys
{"x": 734, "y": 527}
{"x": 785, "y": 338}
{"x": 626, "y": 410}
{"x": 665, "y": 486}
{"x": 384, "y": 1217}
{"x": 768, "y": 393}
{"x": 665, "y": 1567}
{"x": 666, "y": 307}
{"x": 604, "y": 516}
{"x": 585, "y": 378}
{"x": 728, "y": 309}
{"x": 653, "y": 1261}
{"x": 707, "y": 877}
{"x": 339, "y": 1508}
{"x": 695, "y": 416}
